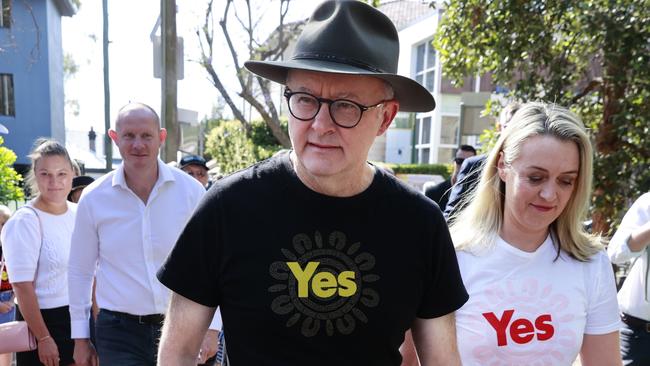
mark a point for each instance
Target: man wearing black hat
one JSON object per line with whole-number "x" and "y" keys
{"x": 315, "y": 256}
{"x": 196, "y": 167}
{"x": 78, "y": 184}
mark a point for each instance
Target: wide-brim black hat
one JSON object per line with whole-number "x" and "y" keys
{"x": 350, "y": 37}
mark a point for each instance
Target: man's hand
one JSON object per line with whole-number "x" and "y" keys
{"x": 209, "y": 346}
{"x": 84, "y": 353}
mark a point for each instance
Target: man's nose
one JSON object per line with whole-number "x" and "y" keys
{"x": 323, "y": 121}
{"x": 138, "y": 142}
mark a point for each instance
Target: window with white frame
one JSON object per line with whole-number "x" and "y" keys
{"x": 425, "y": 63}
{"x": 7, "y": 104}
{"x": 423, "y": 138}
{"x": 5, "y": 13}
{"x": 449, "y": 125}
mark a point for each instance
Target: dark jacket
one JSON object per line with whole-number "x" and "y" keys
{"x": 466, "y": 180}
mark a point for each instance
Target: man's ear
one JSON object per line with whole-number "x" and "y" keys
{"x": 163, "y": 135}
{"x": 113, "y": 135}
{"x": 501, "y": 166}
{"x": 388, "y": 114}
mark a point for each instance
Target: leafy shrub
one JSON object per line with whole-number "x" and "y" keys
{"x": 443, "y": 170}
{"x": 9, "y": 179}
{"x": 228, "y": 144}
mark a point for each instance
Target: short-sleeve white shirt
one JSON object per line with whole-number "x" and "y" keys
{"x": 632, "y": 296}
{"x": 529, "y": 308}
{"x": 26, "y": 261}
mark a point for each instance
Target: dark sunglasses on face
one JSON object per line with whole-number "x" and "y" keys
{"x": 459, "y": 161}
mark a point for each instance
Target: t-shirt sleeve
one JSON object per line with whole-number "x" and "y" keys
{"x": 444, "y": 290}
{"x": 21, "y": 242}
{"x": 602, "y": 309}
{"x": 191, "y": 268}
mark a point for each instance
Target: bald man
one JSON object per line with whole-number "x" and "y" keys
{"x": 129, "y": 220}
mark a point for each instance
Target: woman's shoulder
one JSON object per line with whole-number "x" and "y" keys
{"x": 597, "y": 262}
{"x": 24, "y": 221}
{"x": 23, "y": 213}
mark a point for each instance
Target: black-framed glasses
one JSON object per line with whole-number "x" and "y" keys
{"x": 459, "y": 161}
{"x": 345, "y": 113}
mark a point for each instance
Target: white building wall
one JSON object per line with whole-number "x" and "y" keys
{"x": 398, "y": 145}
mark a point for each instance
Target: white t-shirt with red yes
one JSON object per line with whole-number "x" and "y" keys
{"x": 531, "y": 308}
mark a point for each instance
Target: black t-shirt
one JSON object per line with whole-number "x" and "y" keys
{"x": 308, "y": 279}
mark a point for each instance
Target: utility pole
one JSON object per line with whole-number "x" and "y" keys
{"x": 108, "y": 146}
{"x": 169, "y": 112}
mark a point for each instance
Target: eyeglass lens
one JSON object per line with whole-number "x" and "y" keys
{"x": 305, "y": 107}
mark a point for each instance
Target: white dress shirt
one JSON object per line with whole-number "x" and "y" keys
{"x": 46, "y": 266}
{"x": 632, "y": 298}
{"x": 123, "y": 241}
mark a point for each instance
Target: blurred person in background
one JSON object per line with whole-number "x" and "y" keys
{"x": 78, "y": 185}
{"x": 470, "y": 170}
{"x": 7, "y": 308}
{"x": 196, "y": 167}
{"x": 439, "y": 193}
{"x": 36, "y": 245}
{"x": 631, "y": 243}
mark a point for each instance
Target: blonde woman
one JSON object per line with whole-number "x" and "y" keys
{"x": 541, "y": 288}
{"x": 36, "y": 244}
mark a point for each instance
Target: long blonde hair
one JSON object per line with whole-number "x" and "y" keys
{"x": 476, "y": 228}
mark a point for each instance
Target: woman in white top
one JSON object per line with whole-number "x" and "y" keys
{"x": 36, "y": 245}
{"x": 541, "y": 288}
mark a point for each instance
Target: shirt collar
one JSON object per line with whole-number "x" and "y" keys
{"x": 164, "y": 175}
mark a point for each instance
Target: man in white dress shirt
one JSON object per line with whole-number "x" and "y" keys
{"x": 631, "y": 244}
{"x": 127, "y": 224}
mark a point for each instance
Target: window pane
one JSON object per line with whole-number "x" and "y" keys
{"x": 448, "y": 130}
{"x": 429, "y": 80}
{"x": 424, "y": 156}
{"x": 7, "y": 95}
{"x": 417, "y": 130}
{"x": 431, "y": 55}
{"x": 445, "y": 155}
{"x": 419, "y": 78}
{"x": 426, "y": 130}
{"x": 419, "y": 58}
{"x": 5, "y": 13}
{"x": 402, "y": 120}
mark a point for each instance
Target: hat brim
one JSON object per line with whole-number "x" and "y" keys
{"x": 78, "y": 188}
{"x": 193, "y": 163}
{"x": 412, "y": 96}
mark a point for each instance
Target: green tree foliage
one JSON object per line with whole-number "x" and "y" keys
{"x": 590, "y": 55}
{"x": 228, "y": 144}
{"x": 9, "y": 179}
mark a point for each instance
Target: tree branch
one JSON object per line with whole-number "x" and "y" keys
{"x": 206, "y": 62}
